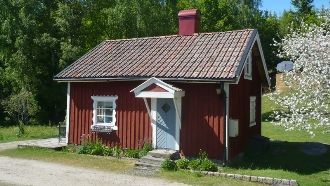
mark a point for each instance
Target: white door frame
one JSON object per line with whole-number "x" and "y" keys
{"x": 177, "y": 104}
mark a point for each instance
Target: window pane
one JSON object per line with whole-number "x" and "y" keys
{"x": 108, "y": 104}
{"x": 100, "y": 104}
{"x": 108, "y": 119}
{"x": 98, "y": 111}
{"x": 108, "y": 112}
{"x": 100, "y": 119}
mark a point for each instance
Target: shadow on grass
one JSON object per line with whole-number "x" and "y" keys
{"x": 286, "y": 156}
{"x": 268, "y": 116}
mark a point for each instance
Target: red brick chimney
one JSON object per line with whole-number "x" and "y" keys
{"x": 188, "y": 22}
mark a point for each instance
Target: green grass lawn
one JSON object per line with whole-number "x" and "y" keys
{"x": 73, "y": 159}
{"x": 115, "y": 165}
{"x": 8, "y": 134}
{"x": 284, "y": 159}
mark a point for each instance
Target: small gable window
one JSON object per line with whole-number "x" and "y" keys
{"x": 104, "y": 113}
{"x": 248, "y": 67}
{"x": 252, "y": 111}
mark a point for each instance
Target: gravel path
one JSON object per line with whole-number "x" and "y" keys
{"x": 31, "y": 172}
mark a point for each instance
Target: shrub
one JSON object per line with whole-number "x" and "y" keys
{"x": 195, "y": 164}
{"x": 84, "y": 149}
{"x": 202, "y": 155}
{"x": 107, "y": 151}
{"x": 117, "y": 151}
{"x": 145, "y": 149}
{"x": 208, "y": 165}
{"x": 131, "y": 153}
{"x": 70, "y": 148}
{"x": 93, "y": 148}
{"x": 169, "y": 165}
{"x": 96, "y": 148}
{"x": 182, "y": 163}
{"x": 202, "y": 163}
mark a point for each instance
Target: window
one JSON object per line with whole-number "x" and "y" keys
{"x": 248, "y": 67}
{"x": 104, "y": 110}
{"x": 252, "y": 111}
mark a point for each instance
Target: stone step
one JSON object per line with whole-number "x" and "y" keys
{"x": 165, "y": 154}
{"x": 148, "y": 166}
{"x": 151, "y": 160}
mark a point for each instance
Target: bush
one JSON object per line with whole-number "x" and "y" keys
{"x": 131, "y": 153}
{"x": 107, "y": 151}
{"x": 70, "y": 148}
{"x": 84, "y": 149}
{"x": 169, "y": 165}
{"x": 145, "y": 149}
{"x": 117, "y": 151}
{"x": 208, "y": 165}
{"x": 96, "y": 148}
{"x": 194, "y": 164}
{"x": 182, "y": 163}
{"x": 202, "y": 163}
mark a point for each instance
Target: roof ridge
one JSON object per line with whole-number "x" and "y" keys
{"x": 176, "y": 35}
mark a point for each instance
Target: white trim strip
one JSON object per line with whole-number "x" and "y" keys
{"x": 153, "y": 120}
{"x": 67, "y": 114}
{"x": 226, "y": 88}
{"x": 147, "y": 106}
{"x": 241, "y": 67}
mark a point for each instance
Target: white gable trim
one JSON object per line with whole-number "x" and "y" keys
{"x": 241, "y": 69}
{"x": 172, "y": 92}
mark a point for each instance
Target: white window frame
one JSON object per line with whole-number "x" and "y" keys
{"x": 248, "y": 67}
{"x": 97, "y": 99}
{"x": 252, "y": 117}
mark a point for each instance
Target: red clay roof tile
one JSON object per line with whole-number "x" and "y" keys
{"x": 211, "y": 56}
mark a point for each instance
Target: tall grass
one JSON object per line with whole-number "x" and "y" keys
{"x": 8, "y": 134}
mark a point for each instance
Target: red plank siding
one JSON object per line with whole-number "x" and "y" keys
{"x": 202, "y": 120}
{"x": 240, "y": 108}
{"x": 202, "y": 116}
{"x": 129, "y": 110}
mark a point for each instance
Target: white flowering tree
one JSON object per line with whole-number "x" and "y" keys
{"x": 305, "y": 106}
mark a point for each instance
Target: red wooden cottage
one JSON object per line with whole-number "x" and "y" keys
{"x": 185, "y": 92}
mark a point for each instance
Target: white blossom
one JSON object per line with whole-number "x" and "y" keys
{"x": 305, "y": 106}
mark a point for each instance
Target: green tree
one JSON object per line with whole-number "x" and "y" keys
{"x": 303, "y": 7}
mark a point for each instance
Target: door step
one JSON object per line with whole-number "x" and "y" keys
{"x": 153, "y": 160}
{"x": 165, "y": 154}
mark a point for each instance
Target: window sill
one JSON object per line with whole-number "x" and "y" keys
{"x": 103, "y": 128}
{"x": 253, "y": 124}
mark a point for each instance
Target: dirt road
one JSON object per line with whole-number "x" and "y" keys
{"x": 31, "y": 172}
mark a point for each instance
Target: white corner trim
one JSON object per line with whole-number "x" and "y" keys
{"x": 226, "y": 88}
{"x": 105, "y": 98}
{"x": 153, "y": 120}
{"x": 177, "y": 105}
{"x": 67, "y": 120}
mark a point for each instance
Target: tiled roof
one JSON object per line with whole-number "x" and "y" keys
{"x": 204, "y": 56}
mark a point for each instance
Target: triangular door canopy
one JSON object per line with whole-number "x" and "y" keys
{"x": 156, "y": 88}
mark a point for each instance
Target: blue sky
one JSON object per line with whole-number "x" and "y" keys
{"x": 278, "y": 6}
